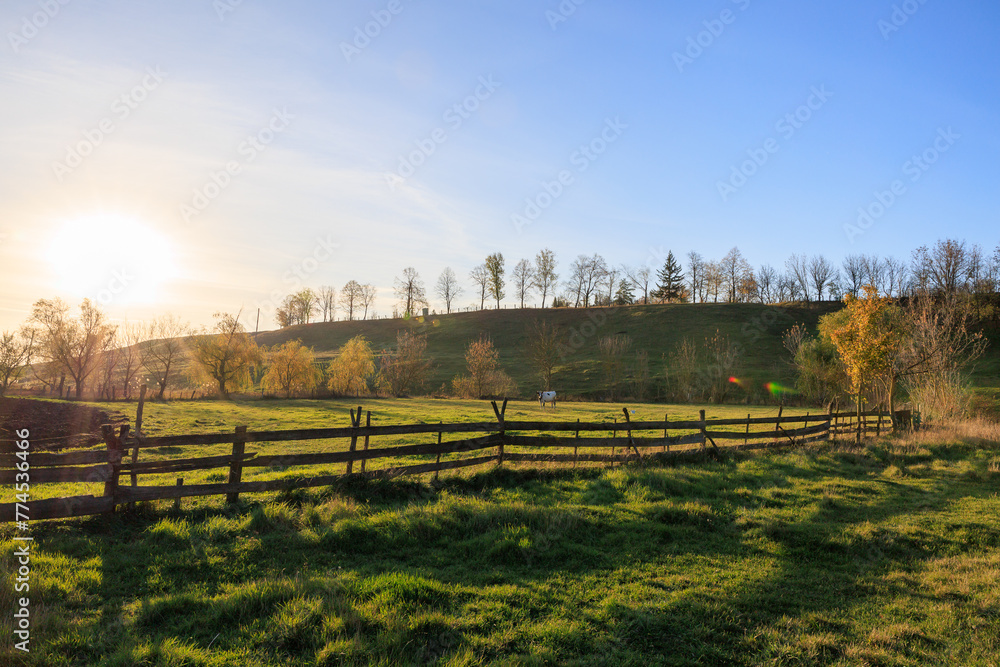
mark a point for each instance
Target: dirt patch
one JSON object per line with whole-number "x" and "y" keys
{"x": 54, "y": 424}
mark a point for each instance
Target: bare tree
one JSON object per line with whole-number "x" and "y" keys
{"x": 447, "y": 287}
{"x": 585, "y": 276}
{"x": 410, "y": 291}
{"x": 821, "y": 273}
{"x": 15, "y": 353}
{"x": 640, "y": 277}
{"x": 523, "y": 278}
{"x": 368, "y": 294}
{"x": 495, "y": 284}
{"x": 328, "y": 302}
{"x": 611, "y": 280}
{"x": 481, "y": 277}
{"x": 696, "y": 270}
{"x": 798, "y": 269}
{"x": 896, "y": 276}
{"x": 543, "y": 350}
{"x": 734, "y": 268}
{"x": 767, "y": 283}
{"x": 164, "y": 349}
{"x": 351, "y": 298}
{"x": 854, "y": 272}
{"x": 873, "y": 271}
{"x": 546, "y": 277}
{"x": 714, "y": 280}
{"x": 72, "y": 344}
{"x": 133, "y": 355}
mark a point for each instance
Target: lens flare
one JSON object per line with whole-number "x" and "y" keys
{"x": 735, "y": 380}
{"x": 779, "y": 389}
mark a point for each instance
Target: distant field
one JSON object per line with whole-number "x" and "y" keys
{"x": 886, "y": 555}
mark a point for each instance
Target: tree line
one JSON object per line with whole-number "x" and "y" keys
{"x": 949, "y": 266}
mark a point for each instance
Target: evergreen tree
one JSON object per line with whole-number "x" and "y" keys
{"x": 624, "y": 296}
{"x": 670, "y": 280}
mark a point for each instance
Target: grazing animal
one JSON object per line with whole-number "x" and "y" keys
{"x": 546, "y": 397}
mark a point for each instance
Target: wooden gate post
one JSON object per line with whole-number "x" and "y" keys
{"x": 236, "y": 464}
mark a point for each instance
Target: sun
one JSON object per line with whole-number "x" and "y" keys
{"x": 111, "y": 259}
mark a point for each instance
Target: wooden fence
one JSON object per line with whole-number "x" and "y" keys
{"x": 495, "y": 442}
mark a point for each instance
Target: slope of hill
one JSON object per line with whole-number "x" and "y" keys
{"x": 657, "y": 329}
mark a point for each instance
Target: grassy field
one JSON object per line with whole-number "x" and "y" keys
{"x": 211, "y": 416}
{"x": 886, "y": 555}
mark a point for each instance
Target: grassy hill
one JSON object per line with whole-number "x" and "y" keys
{"x": 657, "y": 329}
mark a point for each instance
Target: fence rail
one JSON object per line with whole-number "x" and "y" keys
{"x": 623, "y": 440}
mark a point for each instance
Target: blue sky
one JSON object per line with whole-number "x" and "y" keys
{"x": 237, "y": 150}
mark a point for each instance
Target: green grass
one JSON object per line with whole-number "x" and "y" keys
{"x": 210, "y": 416}
{"x": 887, "y": 555}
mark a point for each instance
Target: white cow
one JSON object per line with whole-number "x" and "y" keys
{"x": 546, "y": 397}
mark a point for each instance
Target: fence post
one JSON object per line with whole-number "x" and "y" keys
{"x": 777, "y": 423}
{"x": 138, "y": 432}
{"x": 236, "y": 464}
{"x": 355, "y": 423}
{"x": 576, "y": 456}
{"x": 177, "y": 500}
{"x": 704, "y": 433}
{"x": 438, "y": 461}
{"x": 368, "y": 423}
{"x": 114, "y": 444}
{"x": 746, "y": 436}
{"x": 499, "y": 412}
{"x": 829, "y": 423}
{"x": 666, "y": 442}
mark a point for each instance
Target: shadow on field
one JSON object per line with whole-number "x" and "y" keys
{"x": 528, "y": 527}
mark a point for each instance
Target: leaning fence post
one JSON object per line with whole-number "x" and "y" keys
{"x": 499, "y": 412}
{"x": 236, "y": 464}
{"x": 114, "y": 444}
{"x": 138, "y": 432}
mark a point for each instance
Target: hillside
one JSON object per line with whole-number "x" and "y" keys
{"x": 657, "y": 329}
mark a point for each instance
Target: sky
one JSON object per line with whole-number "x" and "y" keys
{"x": 200, "y": 156}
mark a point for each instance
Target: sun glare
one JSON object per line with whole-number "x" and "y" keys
{"x": 111, "y": 259}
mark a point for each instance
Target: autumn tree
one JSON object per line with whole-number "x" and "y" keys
{"x": 546, "y": 277}
{"x": 523, "y": 278}
{"x": 495, "y": 281}
{"x": 447, "y": 288}
{"x": 291, "y": 369}
{"x": 404, "y": 370}
{"x": 72, "y": 344}
{"x": 225, "y": 357}
{"x": 165, "y": 347}
{"x": 869, "y": 334}
{"x": 485, "y": 377}
{"x": 297, "y": 308}
{"x": 352, "y": 368}
{"x": 409, "y": 290}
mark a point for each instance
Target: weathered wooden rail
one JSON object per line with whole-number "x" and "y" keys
{"x": 693, "y": 437}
